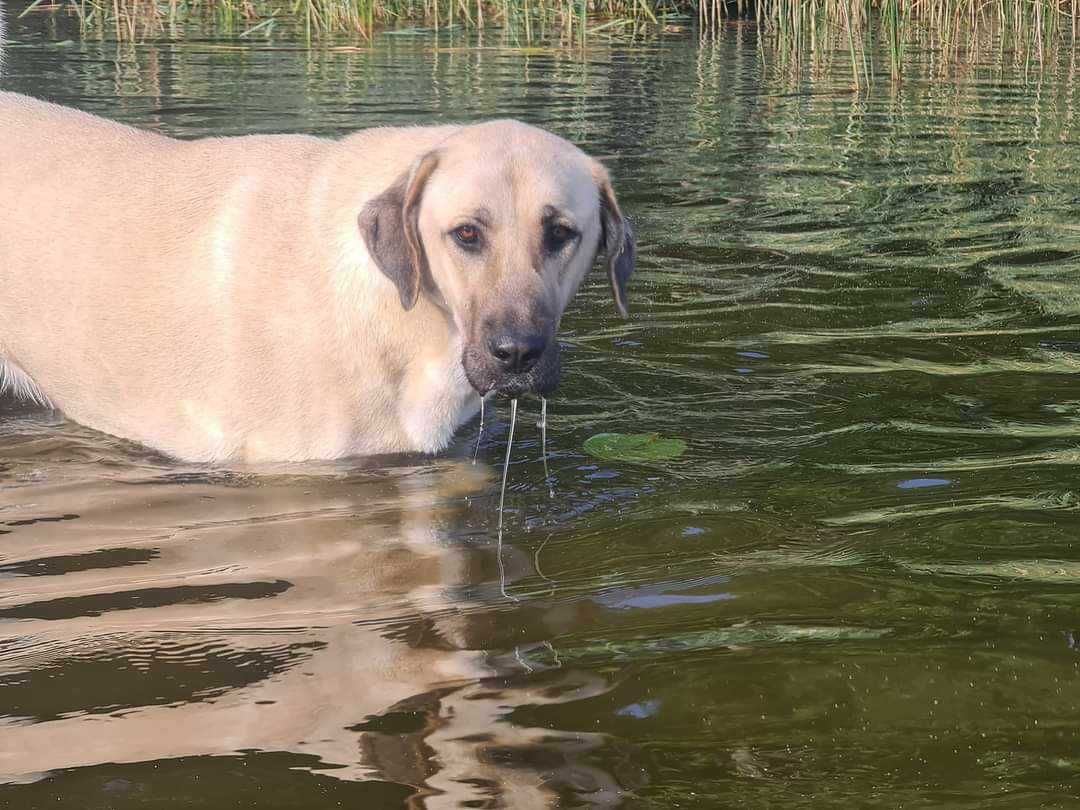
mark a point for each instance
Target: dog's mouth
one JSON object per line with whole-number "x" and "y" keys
{"x": 518, "y": 385}
{"x": 541, "y": 380}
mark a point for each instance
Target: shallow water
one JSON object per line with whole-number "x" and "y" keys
{"x": 857, "y": 588}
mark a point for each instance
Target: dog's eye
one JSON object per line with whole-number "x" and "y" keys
{"x": 557, "y": 237}
{"x": 467, "y": 235}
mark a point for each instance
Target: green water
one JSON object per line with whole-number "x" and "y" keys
{"x": 857, "y": 588}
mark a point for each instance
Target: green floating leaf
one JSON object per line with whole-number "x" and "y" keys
{"x": 634, "y": 447}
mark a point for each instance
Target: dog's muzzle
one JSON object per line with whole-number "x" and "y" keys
{"x": 513, "y": 367}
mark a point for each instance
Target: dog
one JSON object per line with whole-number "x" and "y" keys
{"x": 290, "y": 298}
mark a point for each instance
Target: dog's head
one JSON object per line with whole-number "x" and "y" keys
{"x": 498, "y": 225}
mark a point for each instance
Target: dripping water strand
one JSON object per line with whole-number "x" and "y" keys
{"x": 479, "y": 435}
{"x": 502, "y": 498}
{"x": 542, "y": 424}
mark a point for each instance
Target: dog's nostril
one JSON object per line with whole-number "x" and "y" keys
{"x": 517, "y": 355}
{"x": 532, "y": 354}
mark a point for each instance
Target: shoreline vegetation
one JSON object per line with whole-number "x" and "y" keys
{"x": 1029, "y": 30}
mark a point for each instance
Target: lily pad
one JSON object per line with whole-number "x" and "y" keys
{"x": 634, "y": 447}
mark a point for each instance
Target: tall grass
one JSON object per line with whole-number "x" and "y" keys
{"x": 533, "y": 19}
{"x": 801, "y": 28}
{"x": 1029, "y": 29}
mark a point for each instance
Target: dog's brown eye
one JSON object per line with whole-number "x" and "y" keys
{"x": 467, "y": 235}
{"x": 557, "y": 236}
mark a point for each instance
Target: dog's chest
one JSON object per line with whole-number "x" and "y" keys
{"x": 436, "y": 400}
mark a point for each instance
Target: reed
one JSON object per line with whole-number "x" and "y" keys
{"x": 801, "y": 28}
{"x": 530, "y": 20}
{"x": 1028, "y": 29}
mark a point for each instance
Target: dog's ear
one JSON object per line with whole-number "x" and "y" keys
{"x": 390, "y": 226}
{"x": 620, "y": 247}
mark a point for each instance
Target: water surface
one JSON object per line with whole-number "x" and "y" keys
{"x": 857, "y": 588}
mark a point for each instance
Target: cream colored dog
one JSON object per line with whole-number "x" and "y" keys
{"x": 282, "y": 298}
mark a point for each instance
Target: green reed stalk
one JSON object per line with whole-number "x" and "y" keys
{"x": 799, "y": 28}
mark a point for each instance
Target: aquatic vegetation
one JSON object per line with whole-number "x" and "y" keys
{"x": 533, "y": 19}
{"x": 634, "y": 447}
{"x": 804, "y": 29}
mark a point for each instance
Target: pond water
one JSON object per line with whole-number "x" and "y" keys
{"x": 858, "y": 587}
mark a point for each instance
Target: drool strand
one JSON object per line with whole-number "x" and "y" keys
{"x": 502, "y": 498}
{"x": 542, "y": 424}
{"x": 479, "y": 435}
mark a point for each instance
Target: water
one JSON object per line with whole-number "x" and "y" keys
{"x": 857, "y": 588}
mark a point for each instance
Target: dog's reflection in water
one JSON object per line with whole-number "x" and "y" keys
{"x": 344, "y": 618}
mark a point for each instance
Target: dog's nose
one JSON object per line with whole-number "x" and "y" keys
{"x": 516, "y": 355}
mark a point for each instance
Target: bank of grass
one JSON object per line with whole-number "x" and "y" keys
{"x": 1028, "y": 28}
{"x": 533, "y": 19}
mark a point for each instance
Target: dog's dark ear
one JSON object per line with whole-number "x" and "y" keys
{"x": 390, "y": 226}
{"x": 620, "y": 247}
